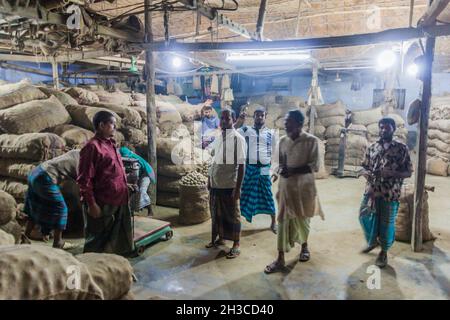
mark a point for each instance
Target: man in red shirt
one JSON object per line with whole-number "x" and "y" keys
{"x": 104, "y": 191}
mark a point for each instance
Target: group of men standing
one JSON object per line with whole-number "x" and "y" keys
{"x": 245, "y": 158}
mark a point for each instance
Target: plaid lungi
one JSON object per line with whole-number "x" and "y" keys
{"x": 256, "y": 196}
{"x": 225, "y": 215}
{"x": 44, "y": 202}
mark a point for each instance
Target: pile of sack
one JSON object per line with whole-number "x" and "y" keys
{"x": 439, "y": 137}
{"x": 10, "y": 229}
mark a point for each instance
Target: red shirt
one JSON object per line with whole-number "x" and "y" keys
{"x": 101, "y": 174}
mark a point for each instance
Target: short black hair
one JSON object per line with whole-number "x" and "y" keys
{"x": 231, "y": 111}
{"x": 387, "y": 120}
{"x": 101, "y": 117}
{"x": 297, "y": 115}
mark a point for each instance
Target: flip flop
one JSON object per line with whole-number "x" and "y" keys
{"x": 234, "y": 253}
{"x": 274, "y": 267}
{"x": 67, "y": 246}
{"x": 305, "y": 255}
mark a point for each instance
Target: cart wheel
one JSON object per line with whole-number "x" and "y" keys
{"x": 168, "y": 235}
{"x": 140, "y": 250}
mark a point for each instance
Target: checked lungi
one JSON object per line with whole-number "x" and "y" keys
{"x": 225, "y": 215}
{"x": 256, "y": 195}
{"x": 44, "y": 202}
{"x": 377, "y": 218}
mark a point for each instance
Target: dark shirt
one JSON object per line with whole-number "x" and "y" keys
{"x": 101, "y": 174}
{"x": 395, "y": 157}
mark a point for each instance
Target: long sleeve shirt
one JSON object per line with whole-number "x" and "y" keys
{"x": 101, "y": 174}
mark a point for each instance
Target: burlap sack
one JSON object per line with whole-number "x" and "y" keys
{"x": 329, "y": 121}
{"x": 130, "y": 116}
{"x": 167, "y": 199}
{"x": 358, "y": 129}
{"x": 73, "y": 135}
{"x": 319, "y": 131}
{"x": 194, "y": 204}
{"x": 440, "y": 107}
{"x": 367, "y": 117}
{"x": 17, "y": 170}
{"x": 31, "y": 146}
{"x": 437, "y": 134}
{"x": 11, "y": 87}
{"x": 112, "y": 273}
{"x": 168, "y": 184}
{"x": 6, "y": 239}
{"x": 330, "y": 110}
{"x": 399, "y": 122}
{"x": 7, "y": 207}
{"x": 83, "y": 96}
{"x": 63, "y": 97}
{"x": 291, "y": 101}
{"x": 35, "y": 272}
{"x": 22, "y": 95}
{"x": 433, "y": 152}
{"x": 14, "y": 229}
{"x": 17, "y": 189}
{"x": 437, "y": 166}
{"x": 169, "y": 99}
{"x": 189, "y": 112}
{"x": 168, "y": 169}
{"x": 166, "y": 112}
{"x": 143, "y": 113}
{"x": 333, "y": 131}
{"x": 178, "y": 151}
{"x": 438, "y": 144}
{"x": 441, "y": 124}
{"x": 116, "y": 97}
{"x": 322, "y": 173}
{"x": 263, "y": 100}
{"x": 82, "y": 116}
{"x": 136, "y": 96}
{"x": 373, "y": 129}
{"x": 33, "y": 116}
{"x": 119, "y": 137}
{"x": 134, "y": 136}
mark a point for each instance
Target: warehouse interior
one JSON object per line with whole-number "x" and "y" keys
{"x": 154, "y": 64}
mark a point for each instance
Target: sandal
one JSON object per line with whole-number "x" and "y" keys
{"x": 274, "y": 267}
{"x": 234, "y": 253}
{"x": 66, "y": 246}
{"x": 305, "y": 255}
{"x": 215, "y": 244}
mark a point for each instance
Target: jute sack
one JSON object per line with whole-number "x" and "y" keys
{"x": 14, "y": 229}
{"x": 17, "y": 170}
{"x": 116, "y": 97}
{"x": 433, "y": 152}
{"x": 168, "y": 199}
{"x": 134, "y": 136}
{"x": 168, "y": 169}
{"x": 319, "y": 131}
{"x": 8, "y": 207}
{"x": 82, "y": 116}
{"x": 333, "y": 141}
{"x": 172, "y": 99}
{"x": 119, "y": 137}
{"x": 83, "y": 96}
{"x": 329, "y": 121}
{"x": 6, "y": 239}
{"x": 333, "y": 131}
{"x": 291, "y": 101}
{"x": 322, "y": 173}
{"x": 360, "y": 129}
{"x": 130, "y": 116}
{"x": 373, "y": 129}
{"x": 73, "y": 135}
{"x": 166, "y": 112}
{"x": 136, "y": 96}
{"x": 263, "y": 100}
{"x": 36, "y": 272}
{"x": 17, "y": 189}
{"x": 143, "y": 113}
{"x": 437, "y": 167}
{"x": 112, "y": 273}
{"x": 441, "y": 124}
{"x": 168, "y": 184}
{"x": 22, "y": 95}
{"x": 330, "y": 110}
{"x": 31, "y": 146}
{"x": 179, "y": 151}
{"x": 63, "y": 97}
{"x": 438, "y": 144}
{"x": 399, "y": 122}
{"x": 194, "y": 204}
{"x": 11, "y": 87}
{"x": 367, "y": 117}
{"x": 437, "y": 134}
{"x": 440, "y": 107}
{"x": 189, "y": 112}
{"x": 403, "y": 223}
{"x": 33, "y": 116}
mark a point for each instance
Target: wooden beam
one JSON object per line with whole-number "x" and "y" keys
{"x": 400, "y": 34}
{"x": 16, "y": 67}
{"x": 55, "y": 74}
{"x": 261, "y": 18}
{"x": 433, "y": 11}
{"x": 420, "y": 170}
{"x": 151, "y": 103}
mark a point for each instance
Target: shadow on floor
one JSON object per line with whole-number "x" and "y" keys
{"x": 362, "y": 283}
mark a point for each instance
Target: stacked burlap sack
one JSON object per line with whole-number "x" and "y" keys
{"x": 35, "y": 272}
{"x": 10, "y": 229}
{"x": 439, "y": 137}
{"x": 404, "y": 221}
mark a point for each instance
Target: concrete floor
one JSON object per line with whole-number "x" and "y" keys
{"x": 182, "y": 268}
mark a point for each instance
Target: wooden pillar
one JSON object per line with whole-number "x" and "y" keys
{"x": 420, "y": 170}
{"x": 55, "y": 74}
{"x": 261, "y": 18}
{"x": 150, "y": 95}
